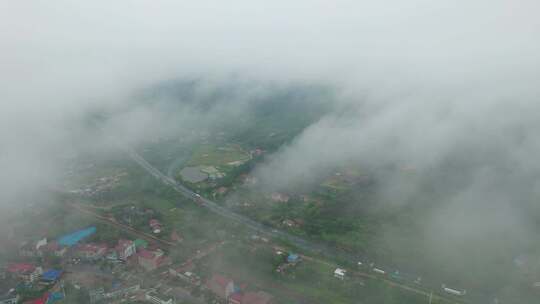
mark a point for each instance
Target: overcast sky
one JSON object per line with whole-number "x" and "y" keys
{"x": 430, "y": 82}
{"x": 402, "y": 59}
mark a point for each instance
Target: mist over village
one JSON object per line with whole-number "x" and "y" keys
{"x": 256, "y": 152}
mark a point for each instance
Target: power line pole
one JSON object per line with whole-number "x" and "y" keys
{"x": 430, "y": 297}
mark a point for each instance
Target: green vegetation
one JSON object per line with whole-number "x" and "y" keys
{"x": 222, "y": 165}
{"x": 309, "y": 281}
{"x": 220, "y": 157}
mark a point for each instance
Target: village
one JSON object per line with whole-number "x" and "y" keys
{"x": 135, "y": 270}
{"x": 123, "y": 232}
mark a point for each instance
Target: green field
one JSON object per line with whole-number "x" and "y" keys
{"x": 218, "y": 156}
{"x": 310, "y": 281}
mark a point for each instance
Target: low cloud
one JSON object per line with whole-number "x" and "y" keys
{"x": 449, "y": 90}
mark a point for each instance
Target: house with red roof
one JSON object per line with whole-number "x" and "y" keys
{"x": 222, "y": 286}
{"x": 151, "y": 260}
{"x": 225, "y": 288}
{"x": 235, "y": 298}
{"x": 259, "y": 297}
{"x": 90, "y": 251}
{"x": 155, "y": 225}
{"x": 42, "y": 300}
{"x": 24, "y": 271}
{"x": 125, "y": 249}
{"x": 176, "y": 237}
{"x": 54, "y": 248}
{"x": 17, "y": 268}
{"x": 219, "y": 284}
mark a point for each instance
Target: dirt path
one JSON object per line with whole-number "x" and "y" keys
{"x": 126, "y": 228}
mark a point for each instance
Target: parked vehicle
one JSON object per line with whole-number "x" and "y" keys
{"x": 379, "y": 271}
{"x": 452, "y": 291}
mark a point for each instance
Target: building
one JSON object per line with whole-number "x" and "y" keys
{"x": 51, "y": 276}
{"x": 222, "y": 286}
{"x": 176, "y": 237}
{"x": 24, "y": 271}
{"x": 289, "y": 223}
{"x": 156, "y": 298}
{"x": 221, "y": 191}
{"x": 90, "y": 251}
{"x": 280, "y": 198}
{"x": 235, "y": 298}
{"x": 75, "y": 237}
{"x": 53, "y": 248}
{"x": 125, "y": 249}
{"x": 259, "y": 297}
{"x": 28, "y": 250}
{"x": 257, "y": 152}
{"x": 119, "y": 290}
{"x": 9, "y": 297}
{"x": 155, "y": 225}
{"x": 55, "y": 297}
{"x": 32, "y": 276}
{"x": 140, "y": 244}
{"x": 340, "y": 273}
{"x": 112, "y": 255}
{"x": 186, "y": 276}
{"x": 41, "y": 243}
{"x": 293, "y": 258}
{"x": 33, "y": 249}
{"x": 16, "y": 269}
{"x": 150, "y": 260}
{"x": 41, "y": 300}
{"x": 96, "y": 295}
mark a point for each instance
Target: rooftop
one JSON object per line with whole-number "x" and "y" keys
{"x": 52, "y": 275}
{"x": 76, "y": 237}
{"x": 123, "y": 244}
{"x": 340, "y": 271}
{"x": 20, "y": 267}
{"x": 259, "y": 297}
{"x": 91, "y": 247}
{"x": 147, "y": 254}
{"x": 220, "y": 280}
{"x": 140, "y": 243}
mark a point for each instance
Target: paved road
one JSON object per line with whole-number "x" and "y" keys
{"x": 301, "y": 243}
{"x": 225, "y": 212}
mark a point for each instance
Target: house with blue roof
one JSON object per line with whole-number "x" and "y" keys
{"x": 293, "y": 258}
{"x": 51, "y": 275}
{"x": 74, "y": 238}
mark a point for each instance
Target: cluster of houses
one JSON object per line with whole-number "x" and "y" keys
{"x": 116, "y": 291}
{"x": 290, "y": 260}
{"x": 138, "y": 217}
{"x": 74, "y": 248}
{"x": 71, "y": 249}
{"x": 280, "y": 197}
{"x": 22, "y": 277}
{"x": 226, "y": 289}
{"x": 133, "y": 252}
{"x": 102, "y": 184}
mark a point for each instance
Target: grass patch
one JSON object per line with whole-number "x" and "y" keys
{"x": 223, "y": 156}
